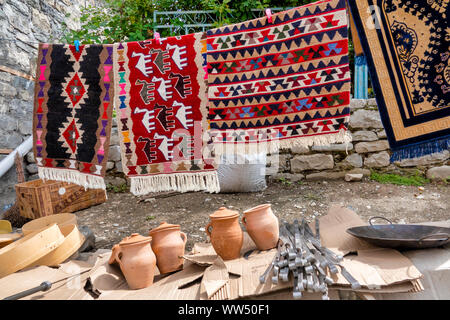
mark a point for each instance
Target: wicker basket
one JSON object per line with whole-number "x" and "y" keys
{"x": 38, "y": 198}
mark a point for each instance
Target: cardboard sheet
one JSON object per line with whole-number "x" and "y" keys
{"x": 434, "y": 264}
{"x": 377, "y": 268}
{"x": 181, "y": 285}
{"x": 333, "y": 234}
{"x": 214, "y": 277}
{"x": 68, "y": 289}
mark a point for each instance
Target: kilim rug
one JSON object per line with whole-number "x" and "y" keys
{"x": 73, "y": 112}
{"x": 161, "y": 105}
{"x": 282, "y": 83}
{"x": 407, "y": 45}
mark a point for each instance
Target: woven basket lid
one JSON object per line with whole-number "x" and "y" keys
{"x": 133, "y": 239}
{"x": 25, "y": 251}
{"x": 224, "y": 213}
{"x": 164, "y": 226}
{"x": 62, "y": 219}
{"x": 8, "y": 238}
{"x": 73, "y": 240}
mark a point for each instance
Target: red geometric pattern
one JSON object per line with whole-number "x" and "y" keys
{"x": 75, "y": 89}
{"x": 162, "y": 99}
{"x": 281, "y": 80}
{"x": 71, "y": 135}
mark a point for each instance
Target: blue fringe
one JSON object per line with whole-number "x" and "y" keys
{"x": 421, "y": 149}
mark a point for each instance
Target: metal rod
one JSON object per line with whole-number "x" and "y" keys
{"x": 44, "y": 286}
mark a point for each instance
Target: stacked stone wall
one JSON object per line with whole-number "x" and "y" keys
{"x": 368, "y": 151}
{"x": 23, "y": 24}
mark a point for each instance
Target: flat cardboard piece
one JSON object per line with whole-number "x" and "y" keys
{"x": 214, "y": 277}
{"x": 434, "y": 264}
{"x": 181, "y": 285}
{"x": 105, "y": 278}
{"x": 27, "y": 279}
{"x": 286, "y": 294}
{"x": 377, "y": 268}
{"x": 64, "y": 289}
{"x": 410, "y": 286}
{"x": 373, "y": 267}
{"x": 333, "y": 234}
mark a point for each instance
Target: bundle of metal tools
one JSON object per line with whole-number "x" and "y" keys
{"x": 301, "y": 253}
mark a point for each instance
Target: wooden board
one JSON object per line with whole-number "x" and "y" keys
{"x": 6, "y": 151}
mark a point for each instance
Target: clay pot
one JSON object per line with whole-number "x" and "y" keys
{"x": 226, "y": 234}
{"x": 168, "y": 243}
{"x": 136, "y": 259}
{"x": 262, "y": 226}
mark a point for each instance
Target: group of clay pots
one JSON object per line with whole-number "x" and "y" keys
{"x": 226, "y": 234}
{"x": 138, "y": 256}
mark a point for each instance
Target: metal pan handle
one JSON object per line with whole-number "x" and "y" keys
{"x": 383, "y": 218}
{"x": 435, "y": 234}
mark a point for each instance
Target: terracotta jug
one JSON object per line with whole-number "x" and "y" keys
{"x": 226, "y": 234}
{"x": 262, "y": 226}
{"x": 168, "y": 243}
{"x": 136, "y": 259}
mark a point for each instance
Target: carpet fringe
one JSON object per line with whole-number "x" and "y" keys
{"x": 88, "y": 181}
{"x": 274, "y": 146}
{"x": 181, "y": 182}
{"x": 421, "y": 149}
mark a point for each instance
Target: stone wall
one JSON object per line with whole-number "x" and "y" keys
{"x": 368, "y": 150}
{"x": 23, "y": 24}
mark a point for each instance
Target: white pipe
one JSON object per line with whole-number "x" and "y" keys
{"x": 8, "y": 162}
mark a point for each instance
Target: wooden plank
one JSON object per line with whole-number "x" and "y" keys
{"x": 16, "y": 73}
{"x": 6, "y": 151}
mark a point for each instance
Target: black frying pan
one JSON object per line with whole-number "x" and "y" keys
{"x": 402, "y": 236}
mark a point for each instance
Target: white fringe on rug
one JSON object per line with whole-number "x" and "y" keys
{"x": 274, "y": 146}
{"x": 181, "y": 182}
{"x": 88, "y": 181}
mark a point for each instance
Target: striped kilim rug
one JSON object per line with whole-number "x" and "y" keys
{"x": 74, "y": 92}
{"x": 161, "y": 105}
{"x": 282, "y": 83}
{"x": 407, "y": 45}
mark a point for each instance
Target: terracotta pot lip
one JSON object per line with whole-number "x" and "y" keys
{"x": 224, "y": 218}
{"x": 134, "y": 243}
{"x": 224, "y": 213}
{"x": 157, "y": 229}
{"x": 129, "y": 241}
{"x": 255, "y": 209}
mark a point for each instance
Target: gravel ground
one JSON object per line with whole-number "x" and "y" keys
{"x": 124, "y": 214}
